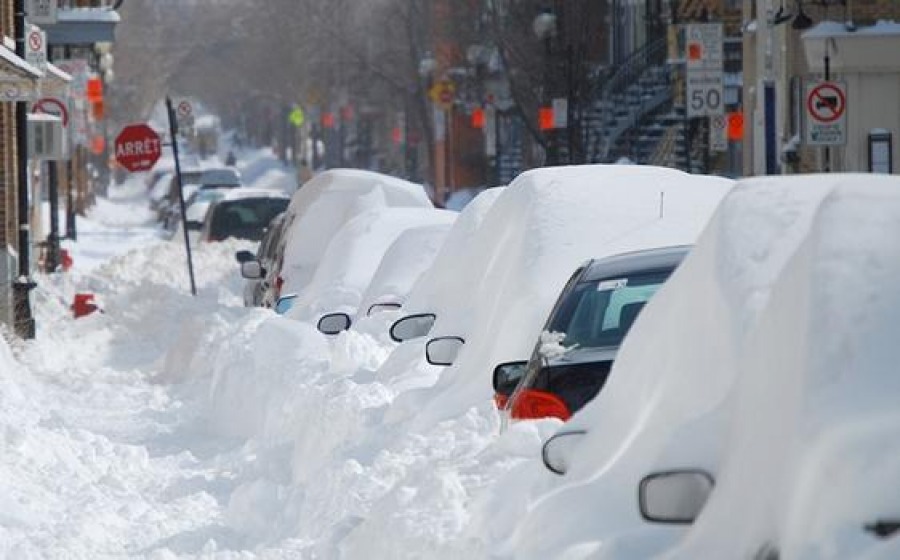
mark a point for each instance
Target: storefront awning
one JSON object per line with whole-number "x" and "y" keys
{"x": 19, "y": 81}
{"x": 83, "y": 26}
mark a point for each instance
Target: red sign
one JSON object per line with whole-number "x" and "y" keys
{"x": 137, "y": 147}
{"x": 826, "y": 102}
{"x": 94, "y": 89}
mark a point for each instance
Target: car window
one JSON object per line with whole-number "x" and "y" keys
{"x": 246, "y": 218}
{"x": 599, "y": 313}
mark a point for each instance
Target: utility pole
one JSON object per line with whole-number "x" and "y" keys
{"x": 24, "y": 321}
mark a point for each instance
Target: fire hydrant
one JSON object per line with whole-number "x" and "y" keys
{"x": 83, "y": 305}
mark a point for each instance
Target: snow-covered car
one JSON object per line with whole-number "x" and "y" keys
{"x": 434, "y": 292}
{"x": 573, "y": 357}
{"x": 164, "y": 197}
{"x": 319, "y": 209}
{"x": 811, "y": 467}
{"x": 220, "y": 178}
{"x": 543, "y": 226}
{"x": 352, "y": 258}
{"x": 666, "y": 405}
{"x": 243, "y": 214}
{"x": 408, "y": 256}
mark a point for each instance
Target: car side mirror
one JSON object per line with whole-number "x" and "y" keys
{"x": 442, "y": 351}
{"x": 507, "y": 377}
{"x": 674, "y": 496}
{"x": 412, "y": 326}
{"x": 285, "y": 303}
{"x": 334, "y": 323}
{"x": 252, "y": 270}
{"x": 556, "y": 450}
{"x": 244, "y": 256}
{"x": 379, "y": 307}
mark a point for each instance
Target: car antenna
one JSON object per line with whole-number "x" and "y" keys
{"x": 662, "y": 203}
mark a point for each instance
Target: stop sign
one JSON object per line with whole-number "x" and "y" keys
{"x": 137, "y": 147}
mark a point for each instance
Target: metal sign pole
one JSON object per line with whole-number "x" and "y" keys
{"x": 24, "y": 320}
{"x": 173, "y": 131}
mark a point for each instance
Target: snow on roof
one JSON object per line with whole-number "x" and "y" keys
{"x": 8, "y": 53}
{"x": 827, "y": 29}
{"x": 252, "y": 192}
{"x": 668, "y": 398}
{"x": 88, "y": 14}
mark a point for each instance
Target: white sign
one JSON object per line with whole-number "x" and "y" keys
{"x": 704, "y": 46}
{"x": 826, "y": 113}
{"x": 705, "y": 93}
{"x": 704, "y": 77}
{"x": 36, "y": 48}
{"x": 718, "y": 133}
{"x": 560, "y": 112}
{"x": 41, "y": 12}
{"x": 184, "y": 113}
{"x": 490, "y": 131}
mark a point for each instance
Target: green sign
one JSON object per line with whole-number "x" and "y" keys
{"x": 297, "y": 117}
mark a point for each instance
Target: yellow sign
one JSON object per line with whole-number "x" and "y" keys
{"x": 296, "y": 117}
{"x": 443, "y": 93}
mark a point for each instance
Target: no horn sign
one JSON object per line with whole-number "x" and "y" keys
{"x": 826, "y": 113}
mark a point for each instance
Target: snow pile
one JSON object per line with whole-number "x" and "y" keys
{"x": 173, "y": 426}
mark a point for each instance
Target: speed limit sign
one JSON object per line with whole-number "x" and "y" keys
{"x": 705, "y": 94}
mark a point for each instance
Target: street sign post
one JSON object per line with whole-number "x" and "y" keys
{"x": 138, "y": 147}
{"x": 826, "y": 113}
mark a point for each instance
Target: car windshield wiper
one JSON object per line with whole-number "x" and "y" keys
{"x": 884, "y": 529}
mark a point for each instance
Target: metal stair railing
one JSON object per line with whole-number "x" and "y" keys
{"x": 629, "y": 72}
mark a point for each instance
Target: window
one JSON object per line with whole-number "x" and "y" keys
{"x": 600, "y": 313}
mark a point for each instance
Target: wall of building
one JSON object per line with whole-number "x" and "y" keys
{"x": 8, "y": 199}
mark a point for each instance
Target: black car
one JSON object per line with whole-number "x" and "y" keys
{"x": 242, "y": 218}
{"x": 593, "y": 314}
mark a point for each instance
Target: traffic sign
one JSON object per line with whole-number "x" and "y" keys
{"x": 718, "y": 138}
{"x": 826, "y": 110}
{"x": 36, "y": 48}
{"x": 296, "y": 116}
{"x": 137, "y": 147}
{"x": 443, "y": 93}
{"x": 184, "y": 113}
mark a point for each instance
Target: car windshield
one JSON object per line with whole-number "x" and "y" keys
{"x": 245, "y": 218}
{"x": 599, "y": 313}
